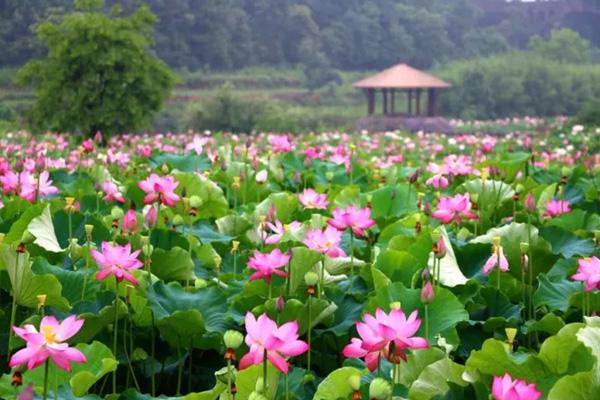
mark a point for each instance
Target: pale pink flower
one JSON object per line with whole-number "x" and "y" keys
{"x": 312, "y": 199}
{"x": 588, "y": 272}
{"x": 497, "y": 259}
{"x": 112, "y": 192}
{"x": 455, "y": 208}
{"x": 264, "y": 336}
{"x": 160, "y": 189}
{"x": 31, "y": 187}
{"x": 118, "y": 261}
{"x": 438, "y": 181}
{"x": 280, "y": 144}
{"x": 261, "y": 176}
{"x": 505, "y": 388}
{"x": 150, "y": 217}
{"x": 278, "y": 229}
{"x": 48, "y": 343}
{"x": 357, "y": 219}
{"x": 555, "y": 208}
{"x": 325, "y": 242}
{"x": 267, "y": 264}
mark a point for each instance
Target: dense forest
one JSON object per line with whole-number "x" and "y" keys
{"x": 341, "y": 34}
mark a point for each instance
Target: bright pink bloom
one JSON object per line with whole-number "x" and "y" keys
{"x": 280, "y": 144}
{"x": 438, "y": 181}
{"x": 118, "y": 261}
{"x": 556, "y": 207}
{"x": 151, "y": 217}
{"x": 267, "y": 264}
{"x": 10, "y": 182}
{"x": 379, "y": 331}
{"x": 504, "y": 388}
{"x": 112, "y": 192}
{"x": 530, "y": 202}
{"x": 325, "y": 242}
{"x": 278, "y": 342}
{"x": 160, "y": 189}
{"x": 129, "y": 224}
{"x": 31, "y": 187}
{"x": 427, "y": 293}
{"x": 457, "y": 165}
{"x": 454, "y": 209}
{"x": 48, "y": 342}
{"x": 588, "y": 272}
{"x": 312, "y": 199}
{"x": 497, "y": 259}
{"x": 358, "y": 219}
{"x": 88, "y": 145}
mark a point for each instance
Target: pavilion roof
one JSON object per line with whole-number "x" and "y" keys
{"x": 401, "y": 76}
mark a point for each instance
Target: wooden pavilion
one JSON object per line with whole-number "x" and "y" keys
{"x": 403, "y": 78}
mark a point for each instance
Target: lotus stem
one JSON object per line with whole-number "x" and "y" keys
{"x": 309, "y": 338}
{"x": 265, "y": 382}
{"x": 45, "y": 390}
{"x": 115, "y": 326}
{"x": 229, "y": 395}
{"x": 13, "y": 310}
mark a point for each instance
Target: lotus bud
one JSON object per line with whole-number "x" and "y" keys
{"x": 200, "y": 283}
{"x": 524, "y": 247}
{"x": 354, "y": 382}
{"x": 311, "y": 278}
{"x": 116, "y": 213}
{"x": 427, "y": 293}
{"x": 41, "y": 300}
{"x": 413, "y": 177}
{"x": 151, "y": 217}
{"x": 530, "y": 202}
{"x": 129, "y": 224}
{"x": 280, "y": 303}
{"x": 27, "y": 237}
{"x": 425, "y": 275}
{"x": 195, "y": 201}
{"x": 233, "y": 339}
{"x": 380, "y": 389}
{"x": 396, "y": 305}
{"x": 89, "y": 228}
{"x": 439, "y": 248}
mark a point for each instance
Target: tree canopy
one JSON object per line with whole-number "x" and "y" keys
{"x": 99, "y": 72}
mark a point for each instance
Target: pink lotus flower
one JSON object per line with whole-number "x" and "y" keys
{"x": 267, "y": 264}
{"x": 279, "y": 230}
{"x": 325, "y": 242}
{"x": 112, "y": 192}
{"x": 151, "y": 217}
{"x": 118, "y": 261}
{"x": 427, "y": 293}
{"x": 312, "y": 199}
{"x": 358, "y": 219}
{"x": 438, "y": 181}
{"x": 530, "y": 202}
{"x": 10, "y": 182}
{"x": 280, "y": 144}
{"x": 129, "y": 224}
{"x": 497, "y": 259}
{"x": 504, "y": 388}
{"x": 32, "y": 187}
{"x": 379, "y": 331}
{"x": 278, "y": 342}
{"x": 88, "y": 145}
{"x": 455, "y": 208}
{"x": 588, "y": 272}
{"x": 48, "y": 342}
{"x": 161, "y": 189}
{"x": 555, "y": 208}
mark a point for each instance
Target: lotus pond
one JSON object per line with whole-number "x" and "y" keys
{"x": 320, "y": 266}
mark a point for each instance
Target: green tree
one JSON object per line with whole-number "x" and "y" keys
{"x": 564, "y": 46}
{"x": 99, "y": 73}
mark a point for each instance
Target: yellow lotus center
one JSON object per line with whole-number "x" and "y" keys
{"x": 49, "y": 334}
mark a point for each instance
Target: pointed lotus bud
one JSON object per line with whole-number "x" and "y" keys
{"x": 151, "y": 217}
{"x": 380, "y": 389}
{"x": 396, "y": 305}
{"x": 233, "y": 339}
{"x": 427, "y": 293}
{"x": 354, "y": 382}
{"x": 530, "y": 202}
{"x": 280, "y": 303}
{"x": 426, "y": 274}
{"x": 129, "y": 224}
{"x": 524, "y": 247}
{"x": 439, "y": 248}
{"x": 195, "y": 201}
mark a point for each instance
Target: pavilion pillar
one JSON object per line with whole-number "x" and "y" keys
{"x": 432, "y": 103}
{"x": 393, "y": 95}
{"x": 409, "y": 92}
{"x": 418, "y": 108}
{"x": 370, "y": 93}
{"x": 384, "y": 92}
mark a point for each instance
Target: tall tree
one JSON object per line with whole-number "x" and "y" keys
{"x": 99, "y": 73}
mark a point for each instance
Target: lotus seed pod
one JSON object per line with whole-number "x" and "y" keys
{"x": 511, "y": 333}
{"x": 311, "y": 278}
{"x": 147, "y": 249}
{"x": 144, "y": 240}
{"x": 233, "y": 339}
{"x": 380, "y": 389}
{"x": 354, "y": 382}
{"x": 195, "y": 201}
{"x": 116, "y": 213}
{"x": 497, "y": 240}
{"x": 88, "y": 230}
{"x": 524, "y": 246}
{"x": 178, "y": 220}
{"x": 41, "y": 298}
{"x": 200, "y": 283}
{"x": 396, "y": 305}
